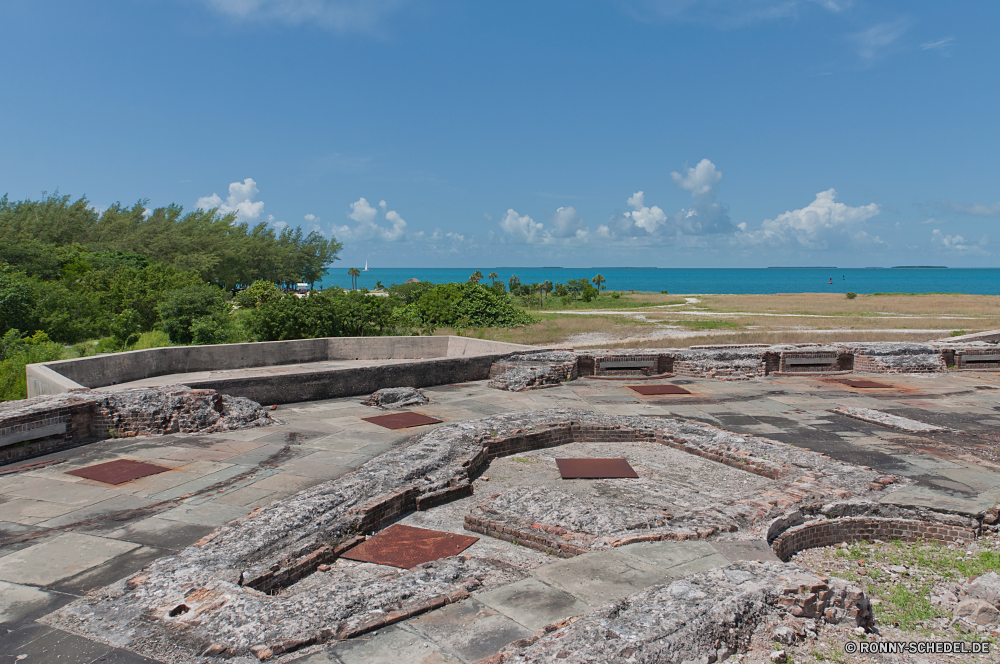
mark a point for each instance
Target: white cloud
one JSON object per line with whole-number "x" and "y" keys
{"x": 567, "y": 222}
{"x": 704, "y": 217}
{"x": 240, "y": 201}
{"x": 958, "y": 244}
{"x": 974, "y": 210}
{"x": 699, "y": 180}
{"x": 816, "y": 225}
{"x": 310, "y": 217}
{"x": 336, "y": 15}
{"x": 647, "y": 218}
{"x": 368, "y": 228}
{"x": 879, "y": 39}
{"x": 522, "y": 229}
{"x": 939, "y": 45}
{"x": 146, "y": 212}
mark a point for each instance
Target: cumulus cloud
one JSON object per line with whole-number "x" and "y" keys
{"x": 958, "y": 244}
{"x": 973, "y": 210}
{"x": 704, "y": 217}
{"x": 879, "y": 39}
{"x": 336, "y": 15}
{"x": 522, "y": 229}
{"x": 240, "y": 201}
{"x": 816, "y": 225}
{"x": 566, "y": 223}
{"x": 368, "y": 228}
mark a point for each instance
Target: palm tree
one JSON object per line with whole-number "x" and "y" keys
{"x": 476, "y": 277}
{"x": 514, "y": 282}
{"x": 378, "y": 285}
{"x": 599, "y": 282}
{"x": 493, "y": 276}
{"x": 355, "y": 273}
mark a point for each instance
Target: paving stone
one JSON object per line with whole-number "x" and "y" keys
{"x": 29, "y": 511}
{"x": 668, "y": 555}
{"x": 393, "y": 645}
{"x": 19, "y": 603}
{"x": 113, "y": 570}
{"x": 56, "y": 491}
{"x": 533, "y": 603}
{"x": 201, "y": 483}
{"x": 286, "y": 482}
{"x": 469, "y": 629}
{"x": 205, "y": 514}
{"x": 96, "y": 511}
{"x": 161, "y": 533}
{"x": 60, "y": 558}
{"x": 245, "y": 497}
{"x": 735, "y": 551}
{"x": 598, "y": 578}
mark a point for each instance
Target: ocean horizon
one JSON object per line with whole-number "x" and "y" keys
{"x": 901, "y": 279}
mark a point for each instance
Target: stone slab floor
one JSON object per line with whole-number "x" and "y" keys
{"x": 61, "y": 535}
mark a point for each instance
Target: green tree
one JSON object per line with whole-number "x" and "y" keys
{"x": 181, "y": 308}
{"x": 476, "y": 277}
{"x": 355, "y": 273}
{"x": 599, "y": 282}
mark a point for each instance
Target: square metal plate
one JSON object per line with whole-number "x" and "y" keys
{"x": 401, "y": 420}
{"x": 592, "y": 469}
{"x": 406, "y": 546}
{"x": 649, "y": 390}
{"x": 118, "y": 472}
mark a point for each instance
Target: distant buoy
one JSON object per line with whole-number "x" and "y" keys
{"x": 831, "y": 281}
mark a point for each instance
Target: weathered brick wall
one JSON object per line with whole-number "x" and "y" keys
{"x": 705, "y": 370}
{"x": 872, "y": 364}
{"x": 42, "y": 425}
{"x": 856, "y": 529}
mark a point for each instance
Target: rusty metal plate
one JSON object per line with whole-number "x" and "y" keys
{"x": 401, "y": 420}
{"x": 649, "y": 390}
{"x": 406, "y": 546}
{"x": 593, "y": 469}
{"x": 118, "y": 472}
{"x": 864, "y": 384}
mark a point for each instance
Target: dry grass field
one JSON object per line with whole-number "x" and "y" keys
{"x": 659, "y": 320}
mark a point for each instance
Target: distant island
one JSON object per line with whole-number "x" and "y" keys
{"x": 919, "y": 267}
{"x": 803, "y": 267}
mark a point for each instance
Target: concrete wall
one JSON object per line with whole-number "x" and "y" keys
{"x": 117, "y": 368}
{"x": 314, "y": 384}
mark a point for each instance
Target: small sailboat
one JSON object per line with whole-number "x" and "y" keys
{"x": 366, "y": 266}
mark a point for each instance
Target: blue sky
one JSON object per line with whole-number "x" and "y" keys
{"x": 671, "y": 133}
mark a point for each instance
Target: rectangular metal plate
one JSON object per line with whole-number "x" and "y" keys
{"x": 406, "y": 546}
{"x": 401, "y": 420}
{"x": 118, "y": 472}
{"x": 593, "y": 469}
{"x": 863, "y": 384}
{"x": 649, "y": 390}
{"x": 981, "y": 358}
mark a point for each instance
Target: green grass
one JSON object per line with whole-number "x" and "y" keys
{"x": 909, "y": 605}
{"x": 707, "y": 324}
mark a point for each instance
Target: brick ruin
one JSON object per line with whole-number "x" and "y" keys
{"x": 742, "y": 362}
{"x": 269, "y": 584}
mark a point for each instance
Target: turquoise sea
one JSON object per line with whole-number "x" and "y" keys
{"x": 983, "y": 281}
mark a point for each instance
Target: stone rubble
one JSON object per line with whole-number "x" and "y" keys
{"x": 390, "y": 398}
{"x": 704, "y": 617}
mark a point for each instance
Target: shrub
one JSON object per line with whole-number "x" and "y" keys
{"x": 259, "y": 292}
{"x": 154, "y": 339}
{"x": 615, "y": 295}
{"x": 958, "y": 333}
{"x": 665, "y": 292}
{"x": 851, "y": 296}
{"x": 183, "y": 306}
{"x": 19, "y": 351}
